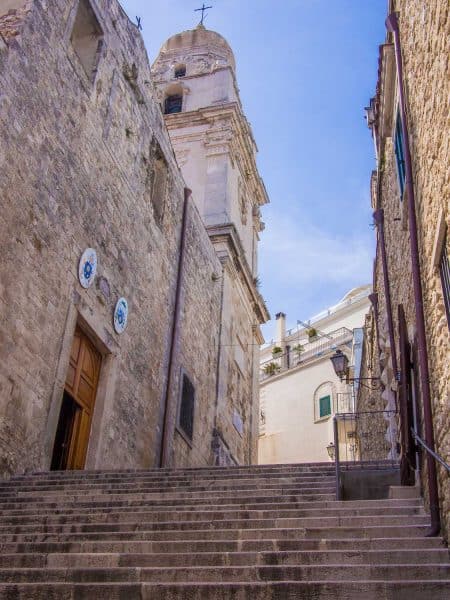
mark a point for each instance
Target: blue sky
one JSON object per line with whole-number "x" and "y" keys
{"x": 306, "y": 69}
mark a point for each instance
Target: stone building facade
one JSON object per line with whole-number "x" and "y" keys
{"x": 86, "y": 163}
{"x": 300, "y": 392}
{"x": 410, "y": 196}
{"x": 195, "y": 80}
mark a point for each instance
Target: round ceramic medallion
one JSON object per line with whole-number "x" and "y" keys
{"x": 120, "y": 315}
{"x": 87, "y": 267}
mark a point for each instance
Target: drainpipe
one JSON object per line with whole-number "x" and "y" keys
{"x": 378, "y": 216}
{"x": 392, "y": 26}
{"x": 165, "y": 446}
{"x": 219, "y": 349}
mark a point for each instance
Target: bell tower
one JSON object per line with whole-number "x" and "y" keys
{"x": 195, "y": 80}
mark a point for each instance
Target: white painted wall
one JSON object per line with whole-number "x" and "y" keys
{"x": 290, "y": 431}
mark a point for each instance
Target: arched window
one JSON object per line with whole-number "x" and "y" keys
{"x": 180, "y": 71}
{"x": 87, "y": 38}
{"x": 323, "y": 401}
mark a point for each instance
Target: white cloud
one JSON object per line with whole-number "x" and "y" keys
{"x": 298, "y": 253}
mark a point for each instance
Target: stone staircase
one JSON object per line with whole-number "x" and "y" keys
{"x": 262, "y": 532}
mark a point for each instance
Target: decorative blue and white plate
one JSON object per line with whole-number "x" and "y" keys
{"x": 87, "y": 267}
{"x": 120, "y": 315}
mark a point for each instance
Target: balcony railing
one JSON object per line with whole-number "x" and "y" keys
{"x": 285, "y": 361}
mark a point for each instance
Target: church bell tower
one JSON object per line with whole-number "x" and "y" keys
{"x": 195, "y": 80}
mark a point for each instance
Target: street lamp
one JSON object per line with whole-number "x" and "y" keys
{"x": 341, "y": 368}
{"x": 331, "y": 450}
{"x": 340, "y": 364}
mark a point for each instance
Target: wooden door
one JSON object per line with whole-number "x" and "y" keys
{"x": 81, "y": 385}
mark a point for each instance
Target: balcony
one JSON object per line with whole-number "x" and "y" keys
{"x": 311, "y": 350}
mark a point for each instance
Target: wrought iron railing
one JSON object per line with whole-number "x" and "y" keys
{"x": 365, "y": 440}
{"x": 365, "y": 437}
{"x": 284, "y": 361}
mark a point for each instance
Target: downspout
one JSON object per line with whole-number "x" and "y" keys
{"x": 392, "y": 26}
{"x": 165, "y": 447}
{"x": 219, "y": 358}
{"x": 378, "y": 216}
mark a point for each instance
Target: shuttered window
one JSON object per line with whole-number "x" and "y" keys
{"x": 324, "y": 406}
{"x": 444, "y": 270}
{"x": 399, "y": 154}
{"x": 186, "y": 415}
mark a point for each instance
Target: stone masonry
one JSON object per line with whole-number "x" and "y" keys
{"x": 82, "y": 139}
{"x": 424, "y": 36}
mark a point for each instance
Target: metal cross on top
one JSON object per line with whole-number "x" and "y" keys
{"x": 203, "y": 9}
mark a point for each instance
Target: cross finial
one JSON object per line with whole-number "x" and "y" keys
{"x": 203, "y": 9}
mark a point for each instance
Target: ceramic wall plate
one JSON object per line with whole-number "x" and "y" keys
{"x": 87, "y": 267}
{"x": 121, "y": 315}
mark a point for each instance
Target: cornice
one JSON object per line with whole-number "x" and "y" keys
{"x": 227, "y": 233}
{"x": 238, "y": 143}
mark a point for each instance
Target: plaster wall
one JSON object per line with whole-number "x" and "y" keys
{"x": 291, "y": 432}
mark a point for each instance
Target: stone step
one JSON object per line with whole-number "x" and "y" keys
{"x": 398, "y": 589}
{"x": 215, "y": 472}
{"x": 116, "y": 501}
{"x": 334, "y": 572}
{"x": 200, "y": 514}
{"x": 275, "y": 490}
{"x": 213, "y": 533}
{"x": 272, "y": 532}
{"x": 231, "y": 544}
{"x": 310, "y": 557}
{"x": 255, "y": 503}
{"x": 243, "y": 523}
{"x": 402, "y": 491}
{"x": 172, "y": 480}
{"x": 310, "y": 487}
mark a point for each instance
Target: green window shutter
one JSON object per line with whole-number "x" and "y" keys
{"x": 324, "y": 406}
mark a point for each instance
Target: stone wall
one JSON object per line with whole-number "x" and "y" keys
{"x": 76, "y": 167}
{"x": 425, "y": 46}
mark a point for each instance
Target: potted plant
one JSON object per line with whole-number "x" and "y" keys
{"x": 298, "y": 349}
{"x": 271, "y": 368}
{"x": 312, "y": 334}
{"x": 276, "y": 351}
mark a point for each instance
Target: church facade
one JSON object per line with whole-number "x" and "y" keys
{"x": 129, "y": 315}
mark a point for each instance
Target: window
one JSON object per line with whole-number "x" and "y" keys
{"x": 173, "y": 104}
{"x": 399, "y": 154}
{"x": 186, "y": 414}
{"x": 444, "y": 270}
{"x": 157, "y": 175}
{"x": 159, "y": 189}
{"x": 87, "y": 38}
{"x": 180, "y": 71}
{"x": 324, "y": 401}
{"x": 324, "y": 406}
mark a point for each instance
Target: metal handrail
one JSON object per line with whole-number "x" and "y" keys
{"x": 310, "y": 350}
{"x": 436, "y": 457}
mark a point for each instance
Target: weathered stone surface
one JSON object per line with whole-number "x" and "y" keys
{"x": 247, "y": 532}
{"x": 424, "y": 29}
{"x": 76, "y": 164}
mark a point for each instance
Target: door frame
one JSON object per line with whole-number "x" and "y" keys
{"x": 93, "y": 325}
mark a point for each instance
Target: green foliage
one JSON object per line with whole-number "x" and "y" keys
{"x": 271, "y": 368}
